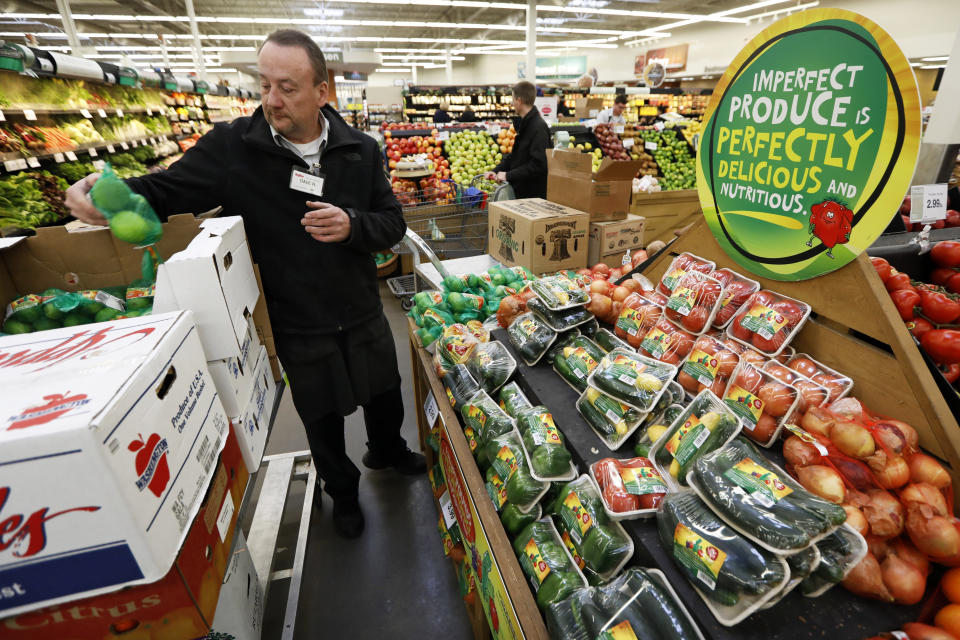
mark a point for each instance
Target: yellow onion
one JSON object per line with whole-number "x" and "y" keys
{"x": 894, "y": 474}
{"x": 903, "y": 580}
{"x": 817, "y": 420}
{"x": 927, "y": 494}
{"x": 856, "y": 519}
{"x": 884, "y": 514}
{"x": 924, "y": 468}
{"x": 866, "y": 580}
{"x": 822, "y": 481}
{"x": 799, "y": 453}
{"x": 936, "y": 536}
{"x": 852, "y": 439}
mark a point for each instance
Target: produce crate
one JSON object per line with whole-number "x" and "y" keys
{"x": 666, "y": 211}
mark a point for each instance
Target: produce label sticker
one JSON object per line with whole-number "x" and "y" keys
{"x": 453, "y": 403}
{"x": 744, "y": 404}
{"x": 575, "y": 518}
{"x": 534, "y": 563}
{"x": 687, "y": 440}
{"x": 702, "y": 366}
{"x": 641, "y": 481}
{"x": 806, "y": 437}
{"x": 614, "y": 410}
{"x": 700, "y": 558}
{"x": 809, "y": 142}
{"x": 580, "y": 361}
{"x": 625, "y": 369}
{"x": 140, "y": 292}
{"x": 471, "y": 436}
{"x": 761, "y": 484}
{"x": 505, "y": 464}
{"x": 432, "y": 318}
{"x": 544, "y": 430}
{"x": 528, "y": 326}
{"x": 497, "y": 490}
{"x": 484, "y": 359}
{"x": 655, "y": 343}
{"x": 457, "y": 348}
{"x": 763, "y": 321}
{"x": 21, "y": 304}
{"x": 565, "y": 536}
{"x": 682, "y": 300}
{"x": 476, "y": 415}
{"x": 622, "y": 631}
{"x": 629, "y": 321}
{"x": 671, "y": 279}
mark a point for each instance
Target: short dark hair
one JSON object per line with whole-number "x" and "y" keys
{"x": 525, "y": 92}
{"x": 620, "y": 99}
{"x": 295, "y": 38}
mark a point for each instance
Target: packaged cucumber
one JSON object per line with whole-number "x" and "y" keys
{"x": 459, "y": 385}
{"x": 504, "y": 454}
{"x": 702, "y": 427}
{"x": 544, "y": 446}
{"x": 840, "y": 552}
{"x": 491, "y": 365}
{"x": 531, "y": 337}
{"x": 590, "y": 328}
{"x": 512, "y": 399}
{"x": 559, "y": 292}
{"x": 608, "y": 341}
{"x": 560, "y": 320}
{"x": 648, "y": 434}
{"x": 802, "y": 564}
{"x": 485, "y": 417}
{"x": 733, "y": 575}
{"x": 599, "y": 545}
{"x": 761, "y": 500}
{"x": 576, "y": 361}
{"x": 612, "y": 420}
{"x": 564, "y": 339}
{"x": 639, "y": 604}
{"x": 632, "y": 379}
{"x": 547, "y": 563}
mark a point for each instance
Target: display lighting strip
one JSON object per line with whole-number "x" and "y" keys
{"x": 711, "y": 17}
{"x": 935, "y": 59}
{"x": 391, "y": 70}
{"x": 413, "y": 57}
{"x": 786, "y": 10}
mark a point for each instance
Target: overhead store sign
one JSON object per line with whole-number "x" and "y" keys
{"x": 809, "y": 144}
{"x": 654, "y": 74}
{"x": 556, "y": 68}
{"x": 672, "y": 58}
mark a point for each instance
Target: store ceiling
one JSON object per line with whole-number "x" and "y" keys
{"x": 397, "y": 24}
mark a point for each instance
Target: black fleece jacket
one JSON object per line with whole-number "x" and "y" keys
{"x": 311, "y": 287}
{"x": 526, "y": 165}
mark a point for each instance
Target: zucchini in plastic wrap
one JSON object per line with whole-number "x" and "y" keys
{"x": 577, "y": 361}
{"x": 531, "y": 337}
{"x": 560, "y": 320}
{"x": 544, "y": 560}
{"x": 761, "y": 500}
{"x": 544, "y": 444}
{"x": 512, "y": 399}
{"x": 491, "y": 365}
{"x": 608, "y": 341}
{"x": 608, "y": 417}
{"x": 559, "y": 292}
{"x": 840, "y": 552}
{"x": 631, "y": 378}
{"x": 459, "y": 385}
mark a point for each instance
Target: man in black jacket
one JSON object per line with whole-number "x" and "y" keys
{"x": 525, "y": 168}
{"x": 296, "y": 153}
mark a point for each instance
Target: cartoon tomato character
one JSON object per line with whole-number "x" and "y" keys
{"x": 831, "y": 223}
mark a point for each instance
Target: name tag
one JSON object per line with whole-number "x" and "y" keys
{"x": 306, "y": 182}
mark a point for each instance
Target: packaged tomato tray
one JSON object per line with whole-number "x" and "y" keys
{"x": 682, "y": 264}
{"x": 737, "y": 289}
{"x": 768, "y": 321}
{"x": 637, "y": 316}
{"x": 709, "y": 366}
{"x": 837, "y": 384}
{"x": 631, "y": 488}
{"x": 666, "y": 343}
{"x": 762, "y": 402}
{"x": 811, "y": 393}
{"x": 694, "y": 301}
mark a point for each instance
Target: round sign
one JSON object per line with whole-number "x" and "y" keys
{"x": 809, "y": 144}
{"x": 654, "y": 74}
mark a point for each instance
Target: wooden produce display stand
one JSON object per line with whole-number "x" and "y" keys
{"x": 665, "y": 212}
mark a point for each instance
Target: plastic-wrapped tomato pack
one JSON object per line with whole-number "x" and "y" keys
{"x": 637, "y": 316}
{"x": 762, "y": 402}
{"x": 736, "y": 290}
{"x": 768, "y": 321}
{"x": 694, "y": 302}
{"x": 631, "y": 488}
{"x": 811, "y": 393}
{"x": 682, "y": 264}
{"x": 709, "y": 366}
{"x": 837, "y": 384}
{"x": 666, "y": 343}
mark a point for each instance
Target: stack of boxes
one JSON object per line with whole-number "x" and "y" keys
{"x": 126, "y": 446}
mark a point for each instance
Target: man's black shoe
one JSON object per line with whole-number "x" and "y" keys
{"x": 347, "y": 518}
{"x": 408, "y": 463}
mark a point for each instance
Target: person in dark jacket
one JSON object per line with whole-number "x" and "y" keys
{"x": 313, "y": 245}
{"x": 468, "y": 115}
{"x": 442, "y": 114}
{"x": 525, "y": 168}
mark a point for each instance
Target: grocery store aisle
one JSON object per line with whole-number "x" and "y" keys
{"x": 393, "y": 581}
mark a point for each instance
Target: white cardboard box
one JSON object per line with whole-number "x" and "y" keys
{"x": 253, "y": 423}
{"x": 233, "y": 377}
{"x": 109, "y": 434}
{"x": 239, "y": 612}
{"x": 214, "y": 278}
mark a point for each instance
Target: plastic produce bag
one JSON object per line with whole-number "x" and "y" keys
{"x": 491, "y": 365}
{"x": 683, "y": 263}
{"x": 564, "y": 339}
{"x": 763, "y": 403}
{"x": 544, "y": 446}
{"x": 531, "y": 337}
{"x": 632, "y": 379}
{"x": 734, "y": 576}
{"x": 576, "y": 361}
{"x": 459, "y": 385}
{"x": 560, "y": 320}
{"x": 130, "y": 216}
{"x": 590, "y": 328}
{"x": 456, "y": 344}
{"x": 514, "y": 520}
{"x": 768, "y": 321}
{"x": 432, "y": 299}
{"x": 631, "y": 488}
{"x": 513, "y": 400}
{"x": 546, "y": 562}
{"x": 559, "y": 292}
{"x": 694, "y": 302}
{"x": 611, "y": 420}
{"x": 761, "y": 500}
{"x": 736, "y": 290}
{"x": 485, "y": 417}
{"x": 840, "y": 552}
{"x": 702, "y": 427}
{"x": 55, "y": 308}
{"x": 709, "y": 366}
{"x": 599, "y": 545}
{"x": 504, "y": 454}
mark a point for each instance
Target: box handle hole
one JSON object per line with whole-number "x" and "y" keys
{"x": 167, "y": 382}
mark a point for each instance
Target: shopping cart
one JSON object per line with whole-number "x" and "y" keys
{"x": 405, "y": 287}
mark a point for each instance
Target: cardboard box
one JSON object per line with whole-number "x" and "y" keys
{"x": 264, "y": 329}
{"x": 180, "y": 605}
{"x": 588, "y": 107}
{"x": 108, "y": 440}
{"x": 610, "y": 240}
{"x": 233, "y": 377}
{"x": 539, "y": 235}
{"x": 240, "y": 607}
{"x": 604, "y": 195}
{"x": 666, "y": 212}
{"x": 252, "y": 424}
{"x": 213, "y": 277}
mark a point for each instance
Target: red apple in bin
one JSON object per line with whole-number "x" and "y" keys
{"x": 159, "y": 474}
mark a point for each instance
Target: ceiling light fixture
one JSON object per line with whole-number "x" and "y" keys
{"x": 936, "y": 59}
{"x": 787, "y": 10}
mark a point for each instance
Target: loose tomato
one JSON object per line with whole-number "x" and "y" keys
{"x": 905, "y": 300}
{"x": 951, "y": 372}
{"x": 777, "y": 398}
{"x": 946, "y": 253}
{"x": 938, "y": 308}
{"x": 943, "y": 345}
{"x": 884, "y": 270}
{"x": 940, "y": 275}
{"x": 953, "y": 283}
{"x": 919, "y": 326}
{"x": 897, "y": 281}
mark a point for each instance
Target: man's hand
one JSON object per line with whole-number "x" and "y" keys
{"x": 502, "y": 176}
{"x": 490, "y": 175}
{"x": 79, "y": 204}
{"x": 326, "y": 223}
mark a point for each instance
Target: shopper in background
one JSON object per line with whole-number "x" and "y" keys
{"x": 525, "y": 168}
{"x": 562, "y": 108}
{"x": 468, "y": 115}
{"x": 442, "y": 114}
{"x": 313, "y": 245}
{"x": 614, "y": 114}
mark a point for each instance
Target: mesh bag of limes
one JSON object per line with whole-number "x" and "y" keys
{"x": 131, "y": 219}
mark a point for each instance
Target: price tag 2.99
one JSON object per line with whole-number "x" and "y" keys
{"x": 928, "y": 203}
{"x": 430, "y": 409}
